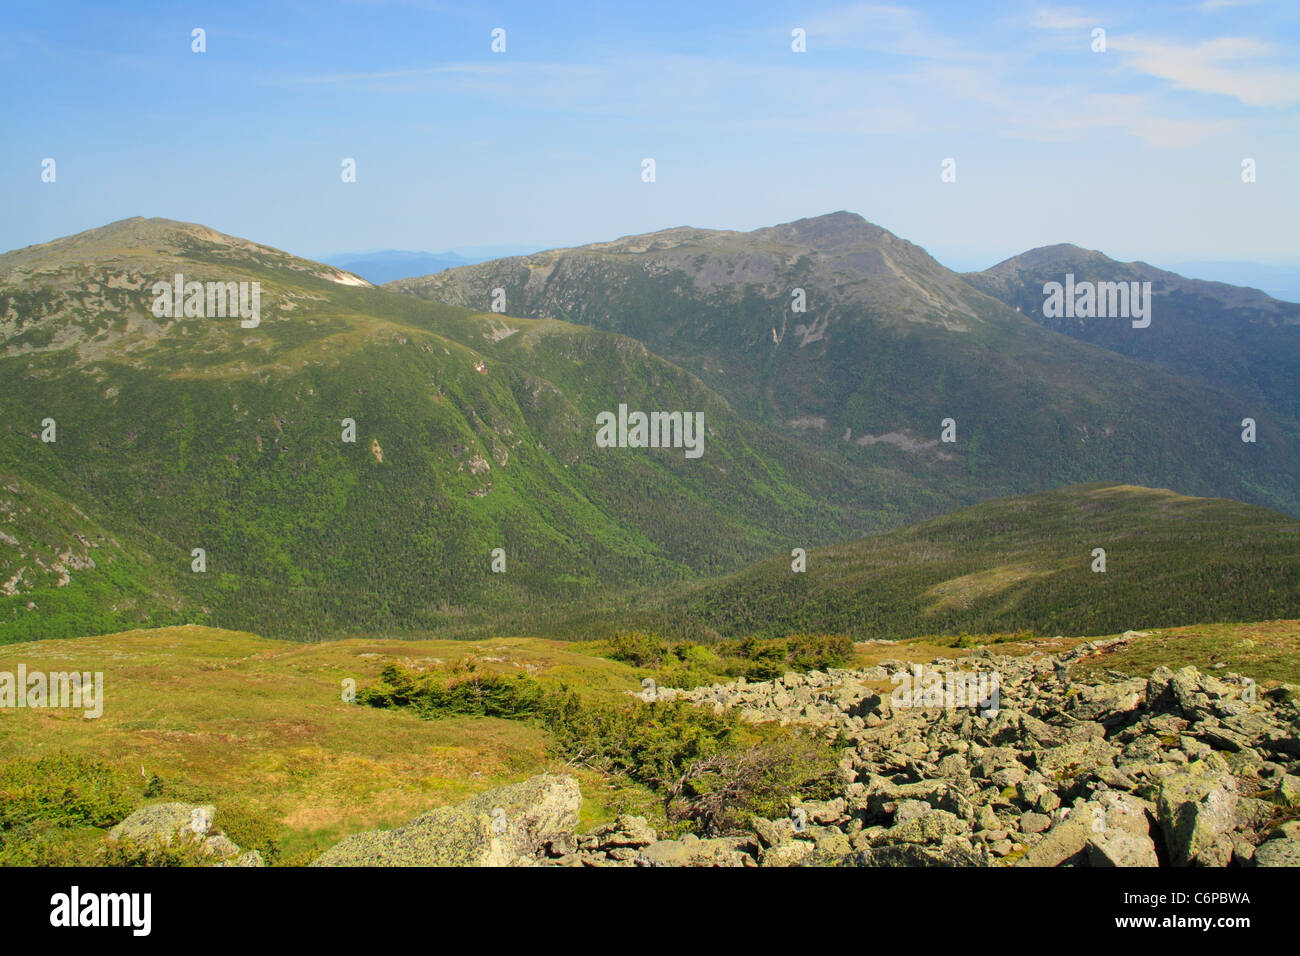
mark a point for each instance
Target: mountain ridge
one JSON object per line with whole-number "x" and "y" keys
{"x": 473, "y": 431}
{"x": 1024, "y": 564}
{"x": 1219, "y": 334}
{"x": 889, "y": 345}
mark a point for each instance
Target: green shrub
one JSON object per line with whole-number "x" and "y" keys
{"x": 711, "y": 771}
{"x": 763, "y": 659}
{"x": 440, "y": 692}
{"x": 724, "y": 792}
{"x": 154, "y": 854}
{"x": 964, "y": 640}
{"x": 817, "y": 652}
{"x": 637, "y": 648}
{"x": 64, "y": 790}
{"x": 252, "y": 829}
{"x": 689, "y": 664}
{"x": 53, "y": 808}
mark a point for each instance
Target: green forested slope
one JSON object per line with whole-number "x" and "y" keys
{"x": 1024, "y": 564}
{"x": 892, "y": 343}
{"x": 473, "y": 432}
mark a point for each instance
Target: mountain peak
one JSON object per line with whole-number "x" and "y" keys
{"x": 1061, "y": 254}
{"x": 832, "y": 232}
{"x": 151, "y": 242}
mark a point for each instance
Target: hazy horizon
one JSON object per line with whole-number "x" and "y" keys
{"x": 1280, "y": 279}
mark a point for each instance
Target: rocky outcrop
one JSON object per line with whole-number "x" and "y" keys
{"x": 615, "y": 843}
{"x": 1282, "y": 847}
{"x": 1180, "y": 768}
{"x": 516, "y": 825}
{"x": 170, "y": 824}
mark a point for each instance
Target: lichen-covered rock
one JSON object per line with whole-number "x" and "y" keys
{"x": 692, "y": 851}
{"x": 931, "y": 827}
{"x": 1288, "y": 790}
{"x": 1121, "y": 849}
{"x": 1196, "y": 807}
{"x": 508, "y": 826}
{"x": 1065, "y": 840}
{"x": 1278, "y": 852}
{"x": 772, "y": 833}
{"x": 1108, "y": 703}
{"x": 625, "y": 831}
{"x": 172, "y": 824}
{"x": 787, "y": 854}
{"x": 953, "y": 851}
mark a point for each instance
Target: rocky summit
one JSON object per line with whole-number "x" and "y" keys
{"x": 1180, "y": 768}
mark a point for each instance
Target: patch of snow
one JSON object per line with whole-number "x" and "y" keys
{"x": 347, "y": 278}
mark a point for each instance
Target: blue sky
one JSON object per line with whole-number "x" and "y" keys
{"x": 1136, "y": 151}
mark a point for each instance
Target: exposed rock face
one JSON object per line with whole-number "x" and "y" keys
{"x": 614, "y": 843}
{"x": 692, "y": 851}
{"x": 171, "y": 823}
{"x": 509, "y": 826}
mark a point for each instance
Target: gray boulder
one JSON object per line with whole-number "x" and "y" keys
{"x": 1196, "y": 807}
{"x": 508, "y": 826}
{"x": 692, "y": 851}
{"x": 1121, "y": 849}
{"x": 169, "y": 824}
{"x": 1283, "y": 849}
{"x": 1066, "y": 840}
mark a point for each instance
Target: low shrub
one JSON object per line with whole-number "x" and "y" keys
{"x": 711, "y": 771}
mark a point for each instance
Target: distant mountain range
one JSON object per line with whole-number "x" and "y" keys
{"x": 472, "y": 432}
{"x": 892, "y": 344}
{"x": 1222, "y": 335}
{"x": 136, "y": 445}
{"x": 391, "y": 264}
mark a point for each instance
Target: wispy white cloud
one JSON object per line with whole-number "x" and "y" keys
{"x": 1135, "y": 114}
{"x": 1243, "y": 68}
{"x": 894, "y": 30}
{"x": 933, "y": 82}
{"x": 1046, "y": 18}
{"x": 1208, "y": 5}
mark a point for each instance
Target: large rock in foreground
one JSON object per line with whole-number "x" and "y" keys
{"x": 508, "y": 826}
{"x": 1198, "y": 808}
{"x": 168, "y": 824}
